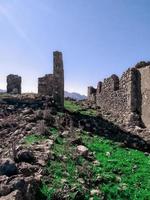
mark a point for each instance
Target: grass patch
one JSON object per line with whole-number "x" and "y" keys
{"x": 124, "y": 171}
{"x": 74, "y": 107}
{"x": 120, "y": 173}
{"x": 54, "y": 131}
{"x": 31, "y": 139}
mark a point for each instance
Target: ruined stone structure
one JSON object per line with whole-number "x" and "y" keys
{"x": 13, "y": 84}
{"x": 127, "y": 98}
{"x": 53, "y": 84}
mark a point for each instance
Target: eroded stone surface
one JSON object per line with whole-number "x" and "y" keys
{"x": 125, "y": 99}
{"x": 53, "y": 84}
{"x": 13, "y": 84}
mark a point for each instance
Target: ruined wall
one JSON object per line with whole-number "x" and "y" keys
{"x": 144, "y": 74}
{"x": 92, "y": 94}
{"x": 53, "y": 84}
{"x": 121, "y": 98}
{"x": 45, "y": 85}
{"x": 13, "y": 84}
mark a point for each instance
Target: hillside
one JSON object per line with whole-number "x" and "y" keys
{"x": 63, "y": 155}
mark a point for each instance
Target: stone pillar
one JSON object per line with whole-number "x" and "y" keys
{"x": 58, "y": 78}
{"x": 115, "y": 82}
{"x": 91, "y": 94}
{"x": 99, "y": 87}
{"x": 13, "y": 84}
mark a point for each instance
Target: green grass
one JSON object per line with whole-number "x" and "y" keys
{"x": 53, "y": 130}
{"x": 120, "y": 174}
{"x": 74, "y": 107}
{"x": 125, "y": 172}
{"x": 31, "y": 139}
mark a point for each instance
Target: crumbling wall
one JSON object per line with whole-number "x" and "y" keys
{"x": 121, "y": 98}
{"x": 53, "y": 84}
{"x": 144, "y": 74}
{"x": 92, "y": 94}
{"x": 45, "y": 85}
{"x": 13, "y": 84}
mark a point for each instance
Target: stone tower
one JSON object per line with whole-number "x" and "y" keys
{"x": 53, "y": 84}
{"x": 13, "y": 84}
{"x": 58, "y": 77}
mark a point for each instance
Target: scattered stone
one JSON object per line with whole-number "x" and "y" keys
{"x": 65, "y": 134}
{"x": 108, "y": 154}
{"x": 15, "y": 195}
{"x": 94, "y": 192}
{"x": 82, "y": 150}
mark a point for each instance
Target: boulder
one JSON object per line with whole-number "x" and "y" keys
{"x": 25, "y": 156}
{"x": 82, "y": 150}
{"x": 8, "y": 167}
{"x": 15, "y": 195}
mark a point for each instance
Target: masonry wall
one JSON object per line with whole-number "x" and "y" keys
{"x": 45, "y": 85}
{"x": 92, "y": 94}
{"x": 144, "y": 74}
{"x": 120, "y": 97}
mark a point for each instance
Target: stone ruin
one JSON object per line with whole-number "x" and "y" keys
{"x": 50, "y": 85}
{"x": 13, "y": 84}
{"x": 127, "y": 98}
{"x": 53, "y": 84}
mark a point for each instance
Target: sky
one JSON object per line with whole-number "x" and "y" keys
{"x": 98, "y": 38}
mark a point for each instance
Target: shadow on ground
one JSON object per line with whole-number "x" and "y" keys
{"x": 102, "y": 127}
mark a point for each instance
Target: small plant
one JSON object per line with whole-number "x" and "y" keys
{"x": 53, "y": 130}
{"x": 47, "y": 192}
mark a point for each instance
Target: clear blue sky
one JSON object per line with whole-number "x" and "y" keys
{"x": 97, "y": 38}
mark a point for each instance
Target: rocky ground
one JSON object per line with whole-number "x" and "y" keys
{"x": 45, "y": 153}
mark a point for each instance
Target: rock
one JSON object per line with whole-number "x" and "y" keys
{"x": 82, "y": 150}
{"x": 32, "y": 188}
{"x": 18, "y": 183}
{"x": 27, "y": 169}
{"x": 108, "y": 154}
{"x": 25, "y": 156}
{"x": 27, "y": 111}
{"x": 94, "y": 192}
{"x": 28, "y": 127}
{"x": 5, "y": 189}
{"x": 65, "y": 133}
{"x": 47, "y": 116}
{"x": 17, "y": 132}
{"x": 39, "y": 114}
{"x": 77, "y": 141}
{"x": 96, "y": 162}
{"x": 8, "y": 167}
{"x": 15, "y": 195}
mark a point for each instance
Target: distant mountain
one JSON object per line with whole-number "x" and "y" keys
{"x": 75, "y": 95}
